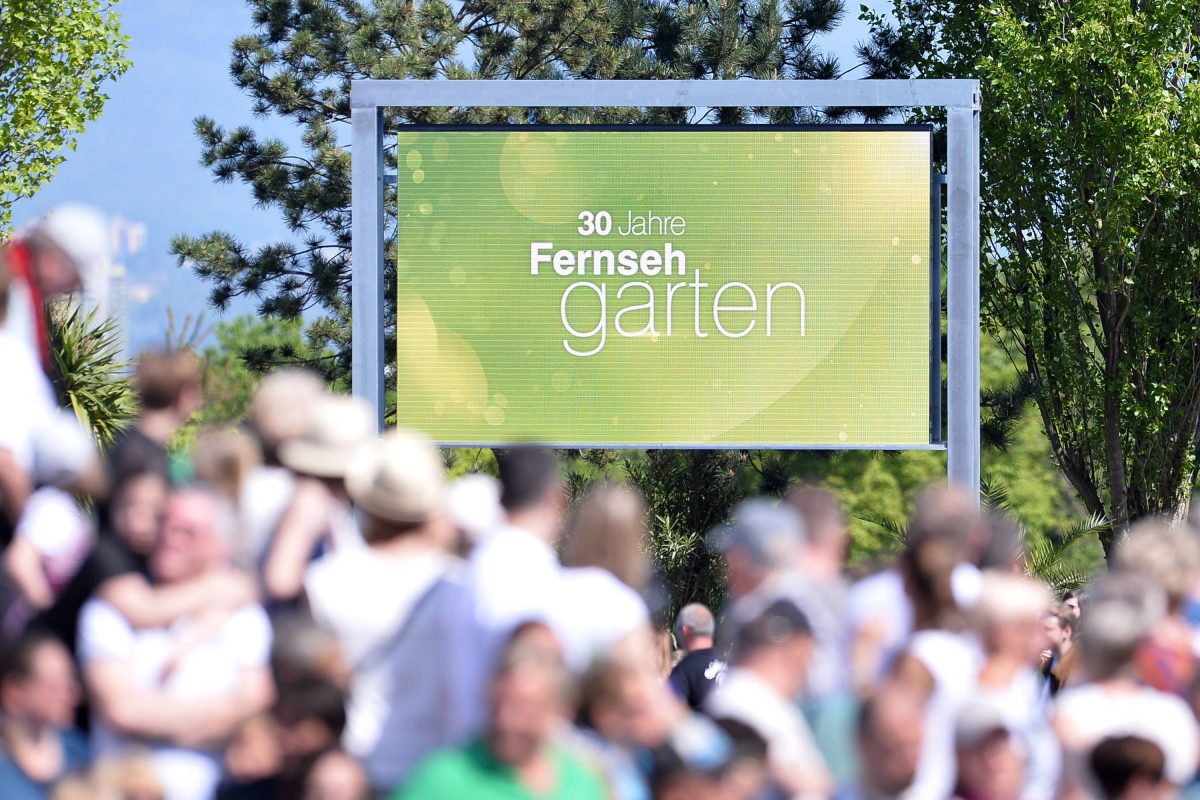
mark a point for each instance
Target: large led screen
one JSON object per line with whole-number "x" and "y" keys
{"x": 756, "y": 287}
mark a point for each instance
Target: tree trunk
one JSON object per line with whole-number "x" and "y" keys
{"x": 1114, "y": 451}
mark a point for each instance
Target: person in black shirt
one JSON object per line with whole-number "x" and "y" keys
{"x": 701, "y": 669}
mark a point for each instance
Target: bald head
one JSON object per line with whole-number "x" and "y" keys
{"x": 695, "y": 627}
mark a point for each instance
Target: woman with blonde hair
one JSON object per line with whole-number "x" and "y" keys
{"x": 605, "y": 571}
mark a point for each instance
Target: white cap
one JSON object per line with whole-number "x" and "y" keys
{"x": 82, "y": 233}
{"x": 473, "y": 503}
{"x": 63, "y": 450}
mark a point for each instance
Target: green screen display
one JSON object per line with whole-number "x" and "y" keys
{"x": 692, "y": 287}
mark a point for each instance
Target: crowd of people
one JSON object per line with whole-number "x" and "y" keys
{"x": 296, "y": 607}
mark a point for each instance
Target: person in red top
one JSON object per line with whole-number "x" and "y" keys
{"x": 62, "y": 253}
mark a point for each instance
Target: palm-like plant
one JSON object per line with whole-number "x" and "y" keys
{"x": 89, "y": 376}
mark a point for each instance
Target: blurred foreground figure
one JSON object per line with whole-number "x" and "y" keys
{"x": 516, "y": 757}
{"x": 38, "y": 696}
{"x": 1121, "y": 616}
{"x": 1130, "y": 768}
{"x": 392, "y": 605}
{"x": 318, "y": 518}
{"x": 513, "y": 574}
{"x": 65, "y": 251}
{"x": 991, "y": 756}
{"x": 889, "y": 745}
{"x": 770, "y": 659}
{"x": 168, "y": 390}
{"x": 181, "y": 691}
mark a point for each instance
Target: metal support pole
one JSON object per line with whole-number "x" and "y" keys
{"x": 962, "y": 161}
{"x": 366, "y": 326}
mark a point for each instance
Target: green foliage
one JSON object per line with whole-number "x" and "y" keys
{"x": 55, "y": 56}
{"x": 246, "y": 348}
{"x": 1091, "y": 154}
{"x": 89, "y": 377}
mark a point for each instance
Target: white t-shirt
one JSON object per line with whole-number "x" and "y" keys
{"x": 26, "y": 402}
{"x": 53, "y": 524}
{"x": 512, "y": 578}
{"x": 881, "y": 600}
{"x": 210, "y": 669}
{"x": 744, "y": 696}
{"x": 394, "y": 619}
{"x": 593, "y": 612}
{"x": 954, "y": 661}
{"x": 1093, "y": 713}
{"x": 264, "y": 498}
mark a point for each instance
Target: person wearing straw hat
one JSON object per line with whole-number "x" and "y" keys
{"x": 391, "y": 605}
{"x": 318, "y": 516}
{"x": 280, "y": 412}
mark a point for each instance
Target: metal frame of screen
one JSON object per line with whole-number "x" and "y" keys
{"x": 960, "y": 98}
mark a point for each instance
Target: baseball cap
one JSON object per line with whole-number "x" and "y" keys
{"x": 769, "y": 531}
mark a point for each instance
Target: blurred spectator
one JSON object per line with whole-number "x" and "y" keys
{"x": 224, "y": 458}
{"x": 769, "y": 665}
{"x": 990, "y": 756}
{"x": 701, "y": 669}
{"x": 117, "y": 567}
{"x": 1060, "y": 658}
{"x": 65, "y": 251}
{"x": 26, "y": 404}
{"x": 392, "y": 606}
{"x": 473, "y": 503}
{"x": 318, "y": 518}
{"x": 761, "y": 541}
{"x": 889, "y": 742}
{"x": 127, "y": 778}
{"x": 168, "y": 391}
{"x": 599, "y": 594}
{"x": 1074, "y": 600}
{"x": 1120, "y": 616}
{"x": 280, "y": 412}
{"x": 517, "y": 756}
{"x": 183, "y": 690}
{"x": 942, "y": 659}
{"x": 1129, "y": 768}
{"x": 1009, "y": 621}
{"x": 885, "y": 608}
{"x": 38, "y": 697}
{"x": 1170, "y": 557}
{"x": 336, "y": 776}
{"x": 55, "y": 531}
{"x": 513, "y": 573}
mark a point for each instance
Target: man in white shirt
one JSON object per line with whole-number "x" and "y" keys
{"x": 513, "y": 575}
{"x": 771, "y": 654}
{"x": 392, "y": 606}
{"x": 180, "y": 691}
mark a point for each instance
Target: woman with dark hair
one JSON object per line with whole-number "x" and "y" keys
{"x": 1074, "y": 600}
{"x": 38, "y": 696}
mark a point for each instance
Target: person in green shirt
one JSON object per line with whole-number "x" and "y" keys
{"x": 516, "y": 758}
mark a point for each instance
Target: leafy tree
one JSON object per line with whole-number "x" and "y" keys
{"x": 55, "y": 57}
{"x": 1091, "y": 155}
{"x": 89, "y": 376}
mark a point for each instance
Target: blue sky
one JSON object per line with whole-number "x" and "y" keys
{"x": 140, "y": 161}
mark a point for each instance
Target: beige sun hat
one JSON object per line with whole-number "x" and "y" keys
{"x": 338, "y": 428}
{"x": 283, "y": 405}
{"x": 398, "y": 479}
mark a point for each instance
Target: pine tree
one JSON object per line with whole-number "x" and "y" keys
{"x": 299, "y": 62}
